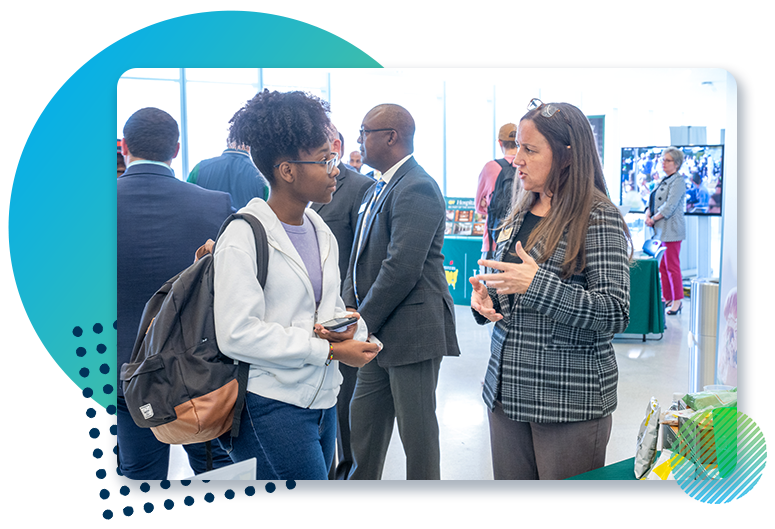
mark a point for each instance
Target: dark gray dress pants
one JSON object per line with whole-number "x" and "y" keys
{"x": 407, "y": 395}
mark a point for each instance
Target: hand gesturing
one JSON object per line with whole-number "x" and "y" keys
{"x": 514, "y": 278}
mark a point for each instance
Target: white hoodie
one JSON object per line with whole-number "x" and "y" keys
{"x": 271, "y": 328}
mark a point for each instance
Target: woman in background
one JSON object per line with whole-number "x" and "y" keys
{"x": 665, "y": 215}
{"x": 561, "y": 294}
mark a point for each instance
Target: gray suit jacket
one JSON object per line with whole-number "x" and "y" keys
{"x": 670, "y": 201}
{"x": 341, "y": 214}
{"x": 402, "y": 291}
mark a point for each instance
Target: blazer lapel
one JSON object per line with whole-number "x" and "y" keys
{"x": 402, "y": 171}
{"x": 503, "y": 299}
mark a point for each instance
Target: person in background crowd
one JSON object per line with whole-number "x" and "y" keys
{"x": 396, "y": 281}
{"x": 340, "y": 142}
{"x": 161, "y": 222}
{"x": 355, "y": 161}
{"x": 233, "y": 172}
{"x": 489, "y": 175}
{"x": 289, "y": 419}
{"x": 698, "y": 197}
{"x": 341, "y": 215}
{"x": 121, "y": 165}
{"x": 714, "y": 203}
{"x": 560, "y": 294}
{"x": 665, "y": 215}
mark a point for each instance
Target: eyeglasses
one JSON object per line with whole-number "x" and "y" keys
{"x": 363, "y": 131}
{"x": 548, "y": 110}
{"x": 330, "y": 164}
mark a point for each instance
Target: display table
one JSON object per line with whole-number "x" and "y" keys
{"x": 616, "y": 471}
{"x": 461, "y": 256}
{"x": 647, "y": 313}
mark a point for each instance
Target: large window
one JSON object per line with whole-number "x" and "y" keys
{"x": 457, "y": 112}
{"x": 355, "y": 92}
{"x": 212, "y": 98}
{"x": 157, "y": 89}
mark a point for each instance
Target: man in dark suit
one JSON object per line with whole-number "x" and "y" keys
{"x": 341, "y": 215}
{"x": 161, "y": 221}
{"x": 396, "y": 282}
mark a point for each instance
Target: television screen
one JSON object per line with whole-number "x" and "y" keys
{"x": 702, "y": 171}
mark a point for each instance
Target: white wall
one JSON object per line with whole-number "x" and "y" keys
{"x": 458, "y": 111}
{"x": 640, "y": 106}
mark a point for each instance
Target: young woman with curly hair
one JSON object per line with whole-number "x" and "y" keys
{"x": 289, "y": 420}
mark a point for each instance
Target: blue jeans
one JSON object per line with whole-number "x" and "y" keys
{"x": 288, "y": 442}
{"x": 142, "y": 456}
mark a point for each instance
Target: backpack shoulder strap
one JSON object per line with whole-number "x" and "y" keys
{"x": 243, "y": 371}
{"x": 262, "y": 261}
{"x": 503, "y": 163}
{"x": 506, "y": 167}
{"x": 262, "y": 244}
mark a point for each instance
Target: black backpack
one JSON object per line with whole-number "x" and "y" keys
{"x": 177, "y": 381}
{"x": 500, "y": 199}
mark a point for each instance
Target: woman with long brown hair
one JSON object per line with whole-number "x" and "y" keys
{"x": 560, "y": 293}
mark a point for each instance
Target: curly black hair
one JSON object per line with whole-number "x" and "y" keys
{"x": 278, "y": 125}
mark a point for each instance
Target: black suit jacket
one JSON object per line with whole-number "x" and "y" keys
{"x": 402, "y": 291}
{"x": 161, "y": 221}
{"x": 341, "y": 214}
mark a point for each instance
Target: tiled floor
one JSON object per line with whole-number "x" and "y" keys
{"x": 655, "y": 368}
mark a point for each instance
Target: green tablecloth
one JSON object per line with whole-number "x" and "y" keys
{"x": 647, "y": 314}
{"x": 461, "y": 254}
{"x": 616, "y": 471}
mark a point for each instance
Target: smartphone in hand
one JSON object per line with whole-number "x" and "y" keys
{"x": 338, "y": 324}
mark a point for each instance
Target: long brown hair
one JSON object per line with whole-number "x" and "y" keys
{"x": 575, "y": 184}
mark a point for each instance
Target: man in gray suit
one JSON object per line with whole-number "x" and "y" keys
{"x": 396, "y": 282}
{"x": 341, "y": 215}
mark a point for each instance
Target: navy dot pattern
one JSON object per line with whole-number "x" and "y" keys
{"x": 119, "y": 491}
{"x": 96, "y": 374}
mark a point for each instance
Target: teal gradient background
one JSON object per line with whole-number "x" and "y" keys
{"x": 62, "y": 220}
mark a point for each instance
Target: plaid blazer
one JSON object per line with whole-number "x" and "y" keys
{"x": 551, "y": 354}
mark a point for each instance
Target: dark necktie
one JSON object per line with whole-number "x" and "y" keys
{"x": 364, "y": 224}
